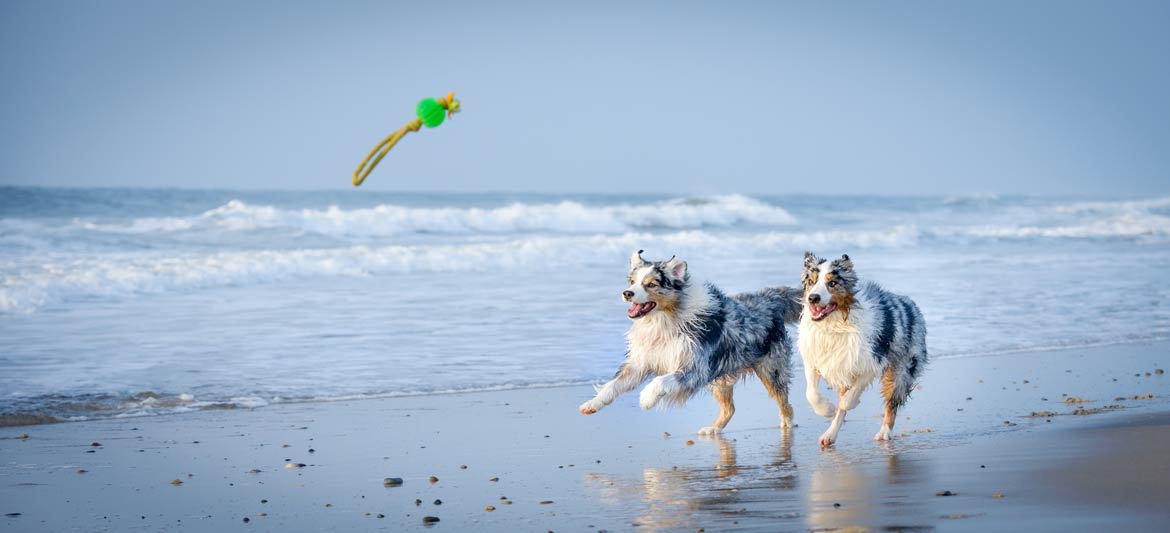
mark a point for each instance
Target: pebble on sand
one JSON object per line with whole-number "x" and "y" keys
{"x": 380, "y": 515}
{"x": 23, "y": 436}
{"x": 463, "y": 467}
{"x": 433, "y": 479}
{"x": 417, "y": 502}
{"x": 494, "y": 479}
{"x": 295, "y": 465}
{"x": 255, "y": 471}
{"x": 392, "y": 482}
{"x": 430, "y": 519}
{"x": 506, "y": 502}
{"x": 246, "y": 520}
{"x": 946, "y": 493}
{"x": 95, "y": 444}
{"x": 176, "y": 482}
{"x": 690, "y": 443}
{"x": 1075, "y": 399}
{"x": 489, "y": 508}
{"x": 546, "y": 502}
{"x": 997, "y": 495}
{"x": 438, "y": 502}
{"x": 1159, "y": 371}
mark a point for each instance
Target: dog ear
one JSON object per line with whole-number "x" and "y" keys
{"x": 636, "y": 260}
{"x": 677, "y": 268}
{"x": 844, "y": 262}
{"x": 810, "y": 260}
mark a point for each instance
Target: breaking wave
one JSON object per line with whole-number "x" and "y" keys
{"x": 385, "y": 220}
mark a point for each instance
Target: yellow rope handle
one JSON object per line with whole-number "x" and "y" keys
{"x": 384, "y": 147}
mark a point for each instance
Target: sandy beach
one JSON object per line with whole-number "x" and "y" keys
{"x": 1000, "y": 433}
{"x": 525, "y": 461}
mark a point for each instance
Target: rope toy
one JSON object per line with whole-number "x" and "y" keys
{"x": 430, "y": 112}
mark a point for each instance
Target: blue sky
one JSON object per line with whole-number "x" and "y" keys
{"x": 1002, "y": 97}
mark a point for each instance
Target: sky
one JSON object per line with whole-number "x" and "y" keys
{"x": 888, "y": 98}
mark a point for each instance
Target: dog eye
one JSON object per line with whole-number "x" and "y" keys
{"x": 651, "y": 285}
{"x": 833, "y": 283}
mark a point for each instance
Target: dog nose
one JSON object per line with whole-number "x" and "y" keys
{"x": 814, "y": 298}
{"x": 628, "y": 294}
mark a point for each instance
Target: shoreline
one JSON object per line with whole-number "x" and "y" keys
{"x": 968, "y": 431}
{"x": 40, "y": 418}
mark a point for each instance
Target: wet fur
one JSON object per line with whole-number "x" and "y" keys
{"x": 698, "y": 337}
{"x": 872, "y": 333}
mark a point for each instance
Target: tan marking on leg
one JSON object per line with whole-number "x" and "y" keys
{"x": 723, "y": 391}
{"x": 888, "y": 384}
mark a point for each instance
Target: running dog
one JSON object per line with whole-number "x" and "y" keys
{"x": 850, "y": 333}
{"x": 690, "y": 335}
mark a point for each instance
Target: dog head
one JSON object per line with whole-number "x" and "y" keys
{"x": 828, "y": 285}
{"x": 654, "y": 285}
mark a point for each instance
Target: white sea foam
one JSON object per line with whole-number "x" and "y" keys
{"x": 34, "y": 282}
{"x": 560, "y": 217}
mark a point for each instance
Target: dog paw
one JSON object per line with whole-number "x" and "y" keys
{"x": 823, "y": 407}
{"x": 590, "y": 407}
{"x": 827, "y": 439}
{"x": 710, "y": 430}
{"x": 785, "y": 423}
{"x": 882, "y": 434}
{"x": 653, "y": 392}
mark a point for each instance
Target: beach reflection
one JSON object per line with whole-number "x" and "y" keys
{"x": 846, "y": 492}
{"x": 729, "y": 490}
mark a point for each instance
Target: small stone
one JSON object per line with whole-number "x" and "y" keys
{"x": 506, "y": 502}
{"x": 262, "y": 514}
{"x": 23, "y": 436}
{"x": 690, "y": 443}
{"x": 494, "y": 479}
{"x": 946, "y": 493}
{"x": 95, "y": 444}
{"x": 380, "y": 515}
{"x": 546, "y": 502}
{"x": 263, "y": 501}
{"x": 489, "y": 508}
{"x": 246, "y": 520}
{"x": 836, "y": 505}
{"x": 430, "y": 519}
{"x": 392, "y": 482}
{"x": 433, "y": 479}
{"x": 463, "y": 467}
{"x": 328, "y": 505}
{"x": 82, "y": 470}
{"x": 438, "y": 502}
{"x": 312, "y": 450}
{"x": 176, "y": 482}
{"x": 997, "y": 495}
{"x": 665, "y": 435}
{"x": 1159, "y": 371}
{"x": 254, "y": 471}
{"x": 284, "y": 446}
{"x": 417, "y": 502}
{"x": 12, "y": 514}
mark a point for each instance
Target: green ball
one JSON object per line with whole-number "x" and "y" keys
{"x": 430, "y": 112}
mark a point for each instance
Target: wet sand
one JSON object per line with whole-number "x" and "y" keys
{"x": 542, "y": 466}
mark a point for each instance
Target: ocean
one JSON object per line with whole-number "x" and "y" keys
{"x": 132, "y": 302}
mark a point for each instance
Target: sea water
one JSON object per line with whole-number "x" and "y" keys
{"x": 126, "y": 302}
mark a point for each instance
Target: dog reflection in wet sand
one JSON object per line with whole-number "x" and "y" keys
{"x": 851, "y": 332}
{"x": 690, "y": 335}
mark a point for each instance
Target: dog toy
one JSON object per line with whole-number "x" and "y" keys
{"x": 430, "y": 112}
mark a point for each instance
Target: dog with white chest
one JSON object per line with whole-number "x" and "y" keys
{"x": 690, "y": 335}
{"x": 851, "y": 333}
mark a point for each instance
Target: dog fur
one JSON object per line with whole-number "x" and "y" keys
{"x": 690, "y": 335}
{"x": 850, "y": 333}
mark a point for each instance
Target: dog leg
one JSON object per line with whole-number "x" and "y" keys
{"x": 830, "y": 436}
{"x": 722, "y": 391}
{"x": 657, "y": 389}
{"x": 894, "y": 394}
{"x": 627, "y": 379}
{"x": 820, "y": 405}
{"x": 775, "y": 379}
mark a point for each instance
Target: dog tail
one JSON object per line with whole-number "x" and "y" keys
{"x": 792, "y": 300}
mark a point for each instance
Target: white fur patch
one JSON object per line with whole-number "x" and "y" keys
{"x": 839, "y": 349}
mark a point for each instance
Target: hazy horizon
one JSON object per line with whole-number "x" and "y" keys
{"x": 1045, "y": 99}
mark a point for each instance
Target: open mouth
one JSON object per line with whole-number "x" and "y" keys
{"x": 639, "y": 310}
{"x": 821, "y": 311}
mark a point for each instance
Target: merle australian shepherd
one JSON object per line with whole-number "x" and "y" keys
{"x": 851, "y": 332}
{"x": 690, "y": 335}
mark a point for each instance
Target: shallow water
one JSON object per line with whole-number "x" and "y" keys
{"x": 119, "y": 302}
